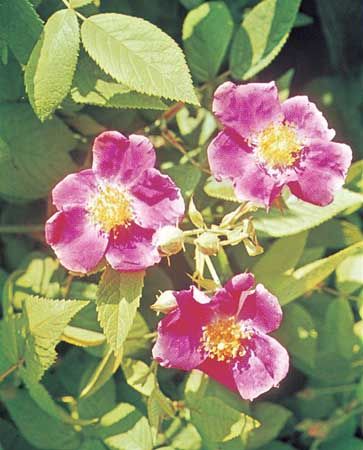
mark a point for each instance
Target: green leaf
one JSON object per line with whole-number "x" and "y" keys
{"x": 99, "y": 403}
{"x": 11, "y": 81}
{"x": 39, "y": 428}
{"x": 289, "y": 286}
{"x": 273, "y": 418}
{"x": 20, "y": 27}
{"x": 94, "y": 87}
{"x": 354, "y": 179}
{"x": 25, "y": 172}
{"x": 50, "y": 69}
{"x": 218, "y": 422}
{"x": 220, "y": 189}
{"x": 138, "y": 54}
{"x": 335, "y": 234}
{"x": 186, "y": 177}
{"x": 261, "y": 36}
{"x": 347, "y": 443}
{"x": 350, "y": 273}
{"x": 139, "y": 376}
{"x": 117, "y": 301}
{"x": 207, "y": 31}
{"x": 301, "y": 216}
{"x": 46, "y": 321}
{"x": 11, "y": 438}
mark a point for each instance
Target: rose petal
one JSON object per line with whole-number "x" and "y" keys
{"x": 322, "y": 173}
{"x": 75, "y": 189}
{"x": 120, "y": 159}
{"x": 247, "y": 108}
{"x": 227, "y": 155}
{"x": 309, "y": 121}
{"x": 78, "y": 244}
{"x": 156, "y": 200}
{"x": 179, "y": 333}
{"x": 265, "y": 364}
{"x": 261, "y": 310}
{"x": 220, "y": 371}
{"x": 131, "y": 249}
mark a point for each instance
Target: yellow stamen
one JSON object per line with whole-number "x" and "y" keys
{"x": 278, "y": 145}
{"x": 223, "y": 339}
{"x": 111, "y": 208}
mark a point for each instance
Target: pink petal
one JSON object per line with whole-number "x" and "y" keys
{"x": 227, "y": 154}
{"x": 75, "y": 189}
{"x": 265, "y": 364}
{"x": 308, "y": 119}
{"x": 322, "y": 173}
{"x": 261, "y": 310}
{"x": 156, "y": 200}
{"x": 247, "y": 108}
{"x": 121, "y": 159}
{"x": 179, "y": 333}
{"x": 219, "y": 371}
{"x": 131, "y": 249}
{"x": 256, "y": 185}
{"x": 78, "y": 244}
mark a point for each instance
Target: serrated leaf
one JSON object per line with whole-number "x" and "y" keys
{"x": 138, "y": 54}
{"x": 47, "y": 320}
{"x": 25, "y": 172}
{"x": 207, "y": 31}
{"x": 20, "y": 27}
{"x": 220, "y": 189}
{"x": 94, "y": 87}
{"x": 50, "y": 69}
{"x": 261, "y": 36}
{"x": 300, "y": 216}
{"x": 118, "y": 299}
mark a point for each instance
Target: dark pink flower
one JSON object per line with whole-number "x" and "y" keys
{"x": 226, "y": 336}
{"x": 113, "y": 209}
{"x": 266, "y": 145}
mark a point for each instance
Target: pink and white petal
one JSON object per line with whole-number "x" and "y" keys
{"x": 322, "y": 173}
{"x": 264, "y": 366}
{"x": 130, "y": 249}
{"x": 156, "y": 200}
{"x": 78, "y": 244}
{"x": 219, "y": 371}
{"x": 247, "y": 108}
{"x": 75, "y": 189}
{"x": 120, "y": 159}
{"x": 256, "y": 185}
{"x": 226, "y": 155}
{"x": 261, "y": 310}
{"x": 310, "y": 122}
{"x": 227, "y": 300}
{"x": 178, "y": 341}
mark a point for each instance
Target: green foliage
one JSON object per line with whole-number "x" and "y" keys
{"x": 207, "y": 31}
{"x": 50, "y": 69}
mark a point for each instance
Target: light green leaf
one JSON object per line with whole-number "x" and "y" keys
{"x": 20, "y": 27}
{"x": 289, "y": 286}
{"x": 117, "y": 301}
{"x": 218, "y": 422}
{"x": 139, "y": 376}
{"x": 350, "y": 273}
{"x": 50, "y": 69}
{"x": 207, "y": 31}
{"x": 138, "y": 54}
{"x": 94, "y": 87}
{"x": 354, "y": 179}
{"x": 261, "y": 36}
{"x": 272, "y": 417}
{"x": 220, "y": 189}
{"x": 46, "y": 321}
{"x": 82, "y": 337}
{"x": 25, "y": 172}
{"x": 301, "y": 216}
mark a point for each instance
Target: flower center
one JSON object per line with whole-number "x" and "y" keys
{"x": 278, "y": 145}
{"x": 222, "y": 339}
{"x": 111, "y": 207}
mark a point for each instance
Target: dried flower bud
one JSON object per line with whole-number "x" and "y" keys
{"x": 208, "y": 243}
{"x": 165, "y": 302}
{"x": 169, "y": 240}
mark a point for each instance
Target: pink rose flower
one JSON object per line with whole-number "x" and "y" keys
{"x": 266, "y": 145}
{"x": 113, "y": 209}
{"x": 226, "y": 336}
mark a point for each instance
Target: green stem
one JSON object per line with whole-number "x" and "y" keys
{"x": 67, "y": 4}
{"x": 20, "y": 229}
{"x": 212, "y": 271}
{"x": 9, "y": 371}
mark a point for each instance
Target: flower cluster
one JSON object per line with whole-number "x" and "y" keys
{"x": 124, "y": 212}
